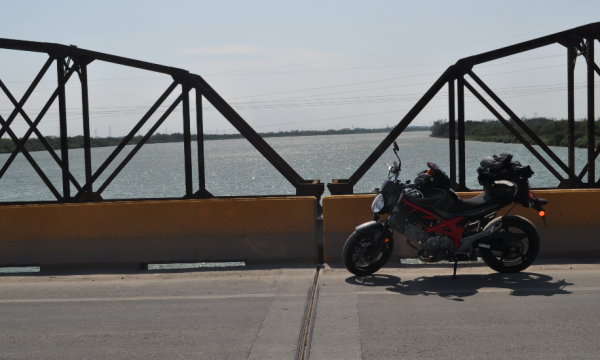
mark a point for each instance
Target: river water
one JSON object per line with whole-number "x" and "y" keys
{"x": 235, "y": 168}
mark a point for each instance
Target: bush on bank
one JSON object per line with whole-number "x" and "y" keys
{"x": 550, "y": 131}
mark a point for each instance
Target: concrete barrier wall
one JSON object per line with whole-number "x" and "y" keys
{"x": 122, "y": 233}
{"x": 573, "y": 218}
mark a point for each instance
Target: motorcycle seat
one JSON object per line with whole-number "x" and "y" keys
{"x": 481, "y": 200}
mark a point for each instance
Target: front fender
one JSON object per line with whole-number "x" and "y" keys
{"x": 369, "y": 227}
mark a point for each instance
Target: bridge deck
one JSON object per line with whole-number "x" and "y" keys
{"x": 417, "y": 311}
{"x": 548, "y": 312}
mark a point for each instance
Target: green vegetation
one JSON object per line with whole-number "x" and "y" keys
{"x": 76, "y": 142}
{"x": 550, "y": 131}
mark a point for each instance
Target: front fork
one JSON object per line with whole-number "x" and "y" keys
{"x": 387, "y": 233}
{"x": 373, "y": 227}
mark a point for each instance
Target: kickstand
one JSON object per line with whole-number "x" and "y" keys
{"x": 455, "y": 265}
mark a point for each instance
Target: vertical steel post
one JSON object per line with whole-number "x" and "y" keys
{"x": 200, "y": 141}
{"x": 187, "y": 141}
{"x": 591, "y": 122}
{"x": 571, "y": 58}
{"x": 87, "y": 145}
{"x": 64, "y": 146}
{"x": 461, "y": 133}
{"x": 452, "y": 131}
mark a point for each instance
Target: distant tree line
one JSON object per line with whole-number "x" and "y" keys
{"x": 549, "y": 130}
{"x": 76, "y": 142}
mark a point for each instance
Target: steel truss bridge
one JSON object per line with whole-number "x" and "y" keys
{"x": 69, "y": 60}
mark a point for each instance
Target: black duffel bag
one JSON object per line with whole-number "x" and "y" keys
{"x": 432, "y": 178}
{"x": 503, "y": 177}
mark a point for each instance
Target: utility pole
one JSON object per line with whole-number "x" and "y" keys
{"x": 109, "y": 131}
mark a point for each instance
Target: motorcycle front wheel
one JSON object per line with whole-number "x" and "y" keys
{"x": 526, "y": 242}
{"x": 361, "y": 255}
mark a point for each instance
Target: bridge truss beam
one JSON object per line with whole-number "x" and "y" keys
{"x": 71, "y": 59}
{"x": 578, "y": 40}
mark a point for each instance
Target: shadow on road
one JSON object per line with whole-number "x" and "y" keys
{"x": 521, "y": 284}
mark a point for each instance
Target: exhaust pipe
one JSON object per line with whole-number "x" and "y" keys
{"x": 466, "y": 243}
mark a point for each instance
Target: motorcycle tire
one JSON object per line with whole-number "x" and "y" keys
{"x": 362, "y": 260}
{"x": 529, "y": 246}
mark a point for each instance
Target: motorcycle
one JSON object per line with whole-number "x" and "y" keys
{"x": 446, "y": 227}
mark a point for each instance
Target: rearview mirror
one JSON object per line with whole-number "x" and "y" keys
{"x": 396, "y": 148}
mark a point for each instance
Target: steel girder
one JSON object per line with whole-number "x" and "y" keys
{"x": 580, "y": 39}
{"x": 63, "y": 55}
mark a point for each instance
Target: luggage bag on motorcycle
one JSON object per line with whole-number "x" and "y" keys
{"x": 432, "y": 178}
{"x": 504, "y": 178}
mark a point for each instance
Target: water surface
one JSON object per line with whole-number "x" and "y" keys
{"x": 235, "y": 168}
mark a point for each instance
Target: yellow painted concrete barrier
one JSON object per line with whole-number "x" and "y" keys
{"x": 119, "y": 233}
{"x": 573, "y": 218}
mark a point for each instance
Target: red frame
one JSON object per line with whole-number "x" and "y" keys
{"x": 447, "y": 227}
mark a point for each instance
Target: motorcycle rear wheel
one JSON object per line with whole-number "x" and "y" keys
{"x": 529, "y": 246}
{"x": 360, "y": 258}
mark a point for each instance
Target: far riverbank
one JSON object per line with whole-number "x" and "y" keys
{"x": 76, "y": 142}
{"x": 551, "y": 131}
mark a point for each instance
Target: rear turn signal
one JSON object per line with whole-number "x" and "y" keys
{"x": 542, "y": 213}
{"x": 386, "y": 241}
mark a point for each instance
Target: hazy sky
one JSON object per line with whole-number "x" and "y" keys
{"x": 294, "y": 65}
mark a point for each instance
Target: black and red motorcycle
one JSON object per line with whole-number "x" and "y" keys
{"x": 446, "y": 227}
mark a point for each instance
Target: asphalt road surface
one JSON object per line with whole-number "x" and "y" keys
{"x": 546, "y": 312}
{"x": 217, "y": 314}
{"x": 551, "y": 311}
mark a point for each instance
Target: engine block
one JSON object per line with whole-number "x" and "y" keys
{"x": 437, "y": 247}
{"x": 415, "y": 232}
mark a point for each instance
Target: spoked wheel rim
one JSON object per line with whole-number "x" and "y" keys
{"x": 365, "y": 255}
{"x": 520, "y": 245}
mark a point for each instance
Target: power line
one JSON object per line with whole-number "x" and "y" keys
{"x": 138, "y": 80}
{"x": 282, "y": 103}
{"x": 443, "y": 97}
{"x": 92, "y": 79}
{"x": 363, "y": 115}
{"x": 294, "y": 102}
{"x": 375, "y": 81}
{"x": 381, "y": 67}
{"x": 334, "y": 86}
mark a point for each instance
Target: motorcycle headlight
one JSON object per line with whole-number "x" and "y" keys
{"x": 378, "y": 204}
